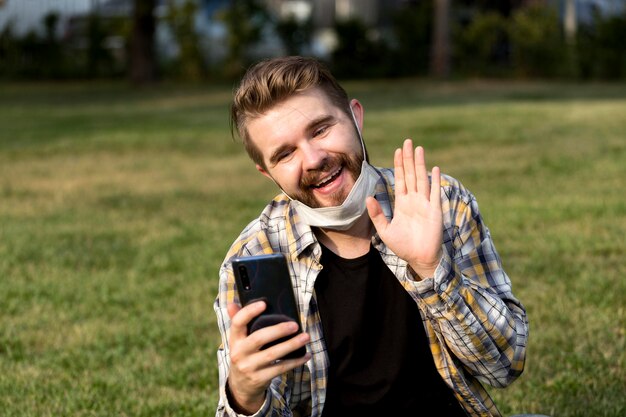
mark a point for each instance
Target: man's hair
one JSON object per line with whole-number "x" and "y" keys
{"x": 272, "y": 81}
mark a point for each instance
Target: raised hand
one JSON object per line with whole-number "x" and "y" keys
{"x": 415, "y": 232}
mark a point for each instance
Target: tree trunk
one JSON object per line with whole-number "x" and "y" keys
{"x": 440, "y": 50}
{"x": 142, "y": 59}
{"x": 571, "y": 21}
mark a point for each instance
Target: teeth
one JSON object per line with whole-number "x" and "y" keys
{"x": 331, "y": 176}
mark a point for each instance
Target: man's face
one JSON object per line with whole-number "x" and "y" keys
{"x": 310, "y": 148}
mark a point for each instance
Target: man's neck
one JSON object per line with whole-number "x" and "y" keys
{"x": 351, "y": 243}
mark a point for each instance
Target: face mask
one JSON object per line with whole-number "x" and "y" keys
{"x": 344, "y": 216}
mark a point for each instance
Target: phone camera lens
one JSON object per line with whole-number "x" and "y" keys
{"x": 243, "y": 275}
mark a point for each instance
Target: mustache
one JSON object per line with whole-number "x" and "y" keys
{"x": 327, "y": 166}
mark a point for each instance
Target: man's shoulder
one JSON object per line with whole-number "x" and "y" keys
{"x": 453, "y": 189}
{"x": 262, "y": 234}
{"x": 448, "y": 181}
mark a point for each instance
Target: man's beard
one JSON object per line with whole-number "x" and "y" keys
{"x": 350, "y": 163}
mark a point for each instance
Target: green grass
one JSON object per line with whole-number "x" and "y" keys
{"x": 117, "y": 207}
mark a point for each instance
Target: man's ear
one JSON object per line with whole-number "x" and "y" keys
{"x": 263, "y": 171}
{"x": 357, "y": 110}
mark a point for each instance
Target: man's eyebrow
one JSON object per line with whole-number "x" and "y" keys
{"x": 312, "y": 125}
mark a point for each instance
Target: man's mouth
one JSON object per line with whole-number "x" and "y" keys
{"x": 327, "y": 179}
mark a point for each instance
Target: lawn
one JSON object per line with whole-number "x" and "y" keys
{"x": 118, "y": 205}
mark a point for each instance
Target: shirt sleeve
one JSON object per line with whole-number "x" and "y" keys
{"x": 470, "y": 300}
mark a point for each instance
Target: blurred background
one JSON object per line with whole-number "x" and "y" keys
{"x": 144, "y": 40}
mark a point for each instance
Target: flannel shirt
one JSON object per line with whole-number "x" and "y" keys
{"x": 476, "y": 328}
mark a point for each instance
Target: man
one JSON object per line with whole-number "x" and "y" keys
{"x": 403, "y": 300}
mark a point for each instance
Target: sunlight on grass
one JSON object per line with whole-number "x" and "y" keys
{"x": 117, "y": 207}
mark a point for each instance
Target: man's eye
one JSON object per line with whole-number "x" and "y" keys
{"x": 283, "y": 155}
{"x": 320, "y": 131}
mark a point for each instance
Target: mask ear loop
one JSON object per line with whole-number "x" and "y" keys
{"x": 280, "y": 188}
{"x": 356, "y": 125}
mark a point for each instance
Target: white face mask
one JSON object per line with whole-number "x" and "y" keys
{"x": 343, "y": 217}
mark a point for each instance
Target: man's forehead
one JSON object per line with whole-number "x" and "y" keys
{"x": 303, "y": 107}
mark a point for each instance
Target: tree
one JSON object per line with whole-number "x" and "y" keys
{"x": 245, "y": 20}
{"x": 295, "y": 34}
{"x": 440, "y": 52}
{"x": 142, "y": 54}
{"x": 412, "y": 29}
{"x": 571, "y": 21}
{"x": 180, "y": 18}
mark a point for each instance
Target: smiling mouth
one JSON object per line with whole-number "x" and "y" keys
{"x": 328, "y": 179}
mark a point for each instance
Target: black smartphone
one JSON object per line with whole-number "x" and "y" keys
{"x": 266, "y": 277}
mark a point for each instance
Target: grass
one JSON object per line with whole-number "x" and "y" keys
{"x": 117, "y": 207}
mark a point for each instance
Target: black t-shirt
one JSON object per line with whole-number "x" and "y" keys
{"x": 380, "y": 362}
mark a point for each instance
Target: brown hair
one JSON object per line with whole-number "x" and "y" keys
{"x": 269, "y": 82}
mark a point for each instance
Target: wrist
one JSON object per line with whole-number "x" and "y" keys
{"x": 244, "y": 404}
{"x": 421, "y": 274}
{"x": 425, "y": 270}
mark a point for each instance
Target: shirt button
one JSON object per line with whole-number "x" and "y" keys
{"x": 443, "y": 286}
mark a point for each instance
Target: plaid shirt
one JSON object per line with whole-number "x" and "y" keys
{"x": 477, "y": 329}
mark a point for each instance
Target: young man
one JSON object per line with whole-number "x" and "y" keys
{"x": 402, "y": 297}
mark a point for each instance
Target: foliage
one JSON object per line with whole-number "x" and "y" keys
{"x": 32, "y": 55}
{"x": 180, "y": 18}
{"x": 358, "y": 54}
{"x": 412, "y": 33}
{"x": 245, "y": 20}
{"x": 295, "y": 35}
{"x": 537, "y": 42}
{"x": 46, "y": 56}
{"x": 99, "y": 60}
{"x": 601, "y": 48}
{"x": 482, "y": 46}
{"x": 527, "y": 43}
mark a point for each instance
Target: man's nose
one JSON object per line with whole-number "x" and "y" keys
{"x": 314, "y": 157}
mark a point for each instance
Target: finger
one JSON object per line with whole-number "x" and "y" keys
{"x": 423, "y": 185}
{"x": 409, "y": 166}
{"x": 376, "y": 215}
{"x": 269, "y": 334}
{"x": 242, "y": 316}
{"x": 435, "y": 190}
{"x": 288, "y": 364}
{"x": 278, "y": 351}
{"x": 399, "y": 172}
{"x": 232, "y": 309}
{"x": 280, "y": 367}
{"x": 248, "y": 356}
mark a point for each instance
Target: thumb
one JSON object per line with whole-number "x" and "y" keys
{"x": 232, "y": 309}
{"x": 376, "y": 215}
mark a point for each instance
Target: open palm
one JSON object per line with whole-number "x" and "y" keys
{"x": 415, "y": 232}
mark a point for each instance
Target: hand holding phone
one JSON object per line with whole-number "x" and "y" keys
{"x": 266, "y": 278}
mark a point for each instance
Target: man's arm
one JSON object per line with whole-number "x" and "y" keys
{"x": 471, "y": 300}
{"x": 460, "y": 280}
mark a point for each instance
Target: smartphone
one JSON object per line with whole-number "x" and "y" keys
{"x": 266, "y": 278}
